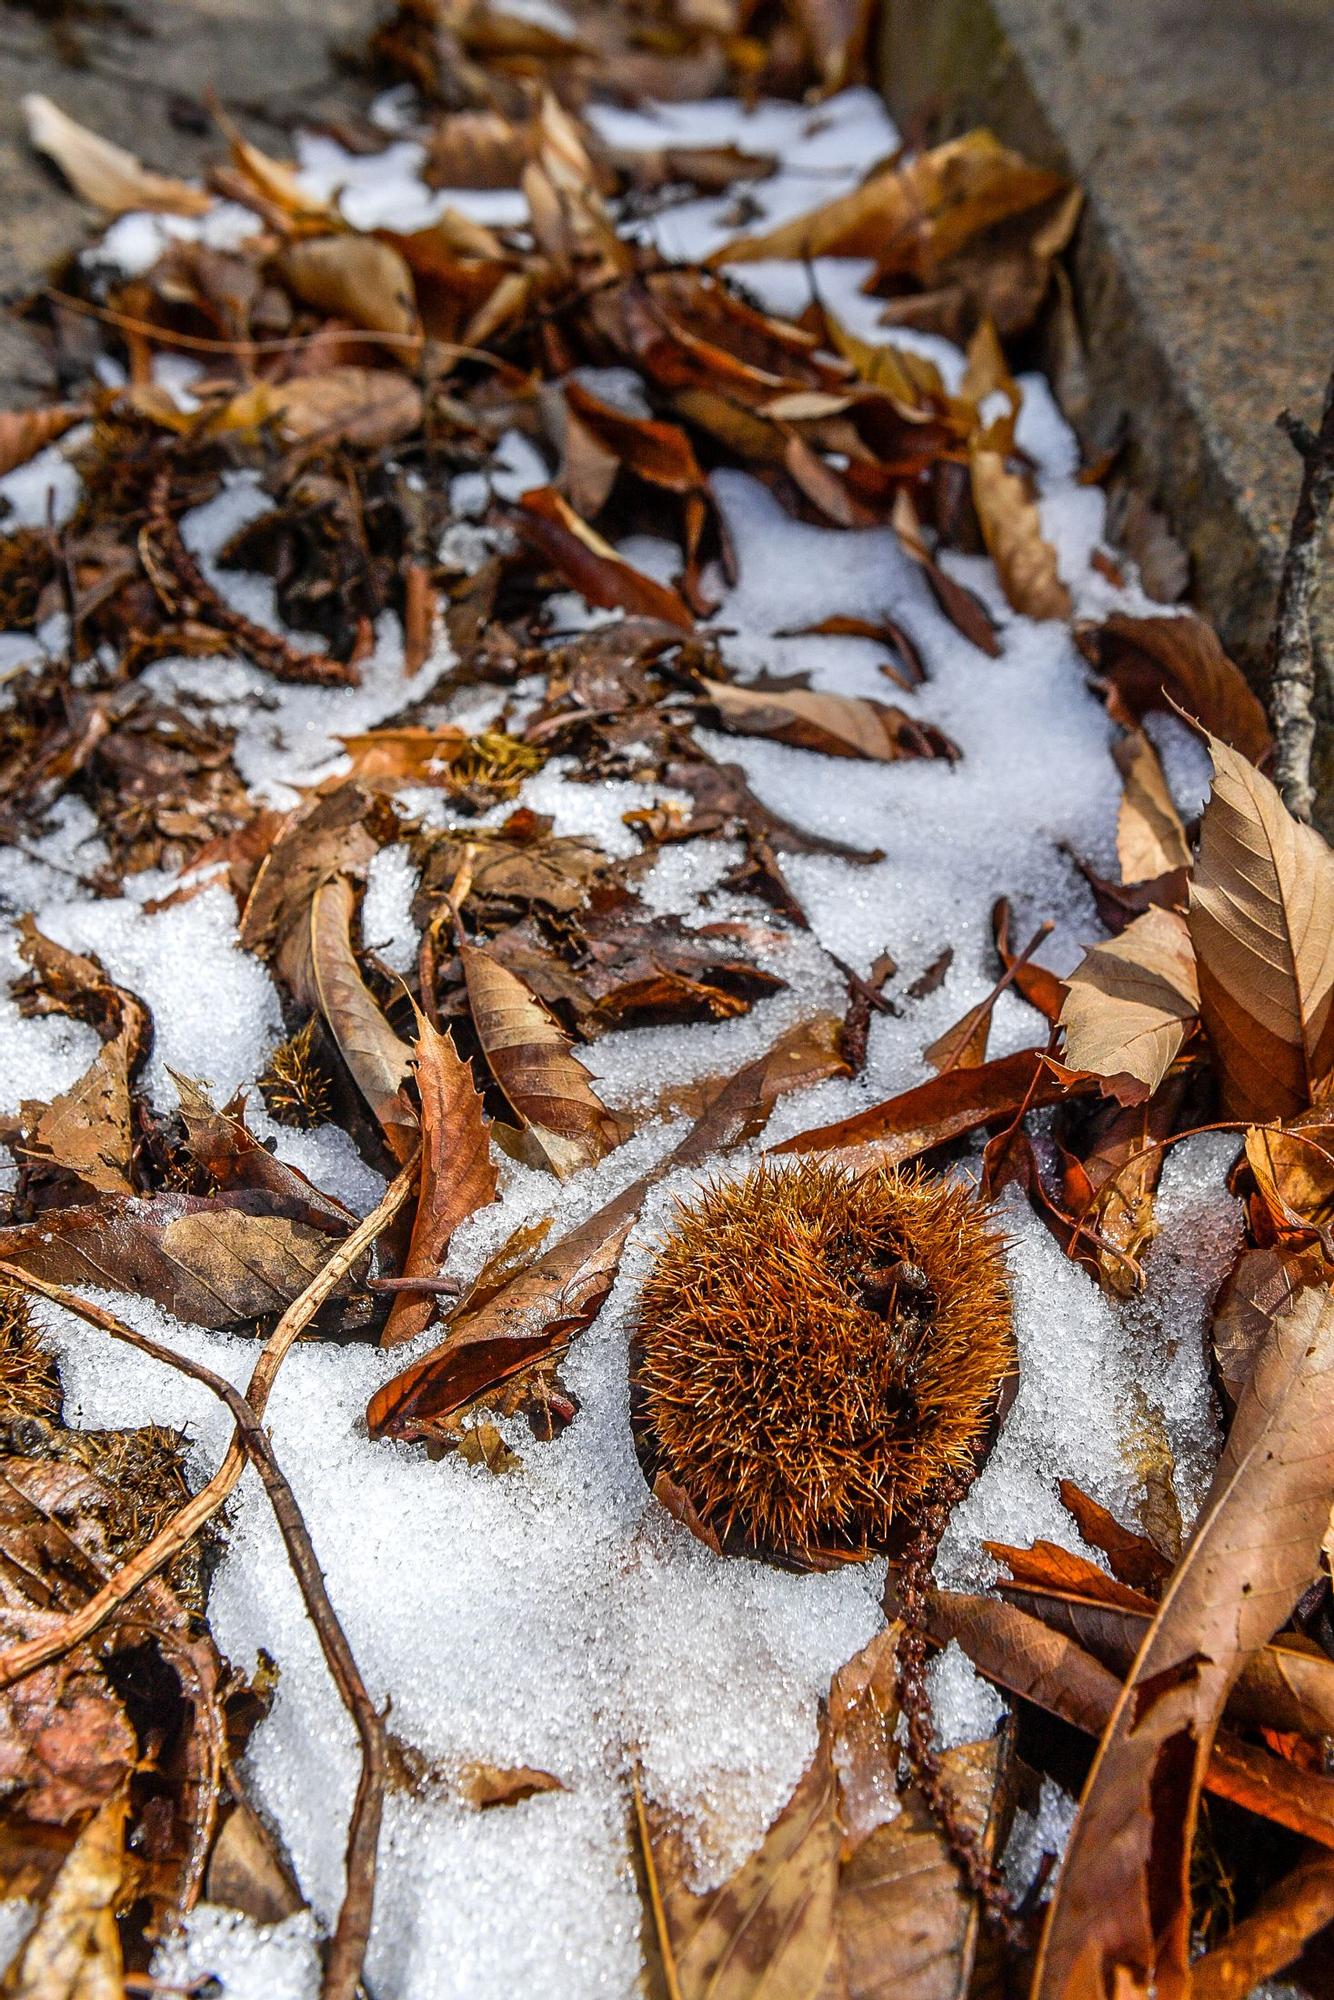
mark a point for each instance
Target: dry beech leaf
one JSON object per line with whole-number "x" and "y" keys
{"x": 483, "y": 1786}
{"x": 377, "y": 1058}
{"x": 853, "y": 1892}
{"x": 944, "y": 1108}
{"x": 1261, "y": 1286}
{"x": 405, "y": 756}
{"x": 457, "y": 1174}
{"x": 1120, "y": 1918}
{"x": 964, "y": 611}
{"x": 1025, "y": 561}
{"x": 516, "y": 1316}
{"x": 23, "y": 433}
{"x": 910, "y": 217}
{"x": 221, "y": 1143}
{"x": 1293, "y": 1169}
{"x": 1150, "y": 839}
{"x": 1262, "y": 921}
{"x": 591, "y": 565}
{"x": 564, "y": 1123}
{"x": 105, "y": 174}
{"x": 840, "y": 725}
{"x": 213, "y": 1260}
{"x": 1129, "y": 1003}
{"x": 353, "y": 277}
{"x": 1175, "y": 661}
{"x": 74, "y": 1951}
{"x": 370, "y": 407}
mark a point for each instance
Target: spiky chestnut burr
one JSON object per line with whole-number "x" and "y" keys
{"x": 815, "y": 1354}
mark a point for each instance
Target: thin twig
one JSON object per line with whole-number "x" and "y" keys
{"x": 1291, "y": 659}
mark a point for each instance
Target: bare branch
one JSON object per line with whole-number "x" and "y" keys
{"x": 1291, "y": 660}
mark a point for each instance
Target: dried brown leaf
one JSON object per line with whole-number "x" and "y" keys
{"x": 1262, "y": 922}
{"x": 485, "y": 1785}
{"x": 585, "y": 560}
{"x": 840, "y": 725}
{"x": 353, "y": 277}
{"x": 1167, "y": 662}
{"x": 1150, "y": 839}
{"x": 105, "y": 174}
{"x": 376, "y": 1057}
{"x": 1129, "y": 1004}
{"x": 457, "y": 1175}
{"x": 945, "y": 1107}
{"x": 74, "y": 1951}
{"x": 1025, "y": 561}
{"x": 565, "y": 1124}
{"x": 23, "y": 433}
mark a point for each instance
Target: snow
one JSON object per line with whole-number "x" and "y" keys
{"x": 554, "y": 1615}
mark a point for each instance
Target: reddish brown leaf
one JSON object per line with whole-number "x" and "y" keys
{"x": 1134, "y": 1558}
{"x": 1176, "y": 661}
{"x": 376, "y": 1058}
{"x": 1041, "y": 989}
{"x": 946, "y": 1107}
{"x": 23, "y": 433}
{"x": 457, "y": 1175}
{"x": 840, "y": 725}
{"x": 567, "y": 542}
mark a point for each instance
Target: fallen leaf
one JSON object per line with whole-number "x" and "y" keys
{"x": 591, "y": 565}
{"x": 1262, "y": 922}
{"x": 354, "y": 277}
{"x": 564, "y": 1123}
{"x": 377, "y": 1059}
{"x": 944, "y": 1108}
{"x": 457, "y": 1175}
{"x": 482, "y": 1786}
{"x": 105, "y": 174}
{"x": 1129, "y": 1004}
{"x": 367, "y": 407}
{"x": 1287, "y": 1916}
{"x": 964, "y": 610}
{"x": 23, "y": 433}
{"x": 1041, "y": 989}
{"x": 216, "y": 1260}
{"x": 1262, "y": 1286}
{"x": 1121, "y": 1911}
{"x": 840, "y": 725}
{"x": 74, "y": 1952}
{"x": 1292, "y": 1167}
{"x": 1150, "y": 839}
{"x": 1134, "y": 1558}
{"x": 1175, "y": 662}
{"x": 1025, "y": 561}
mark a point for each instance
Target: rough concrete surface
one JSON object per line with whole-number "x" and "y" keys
{"x": 1203, "y": 134}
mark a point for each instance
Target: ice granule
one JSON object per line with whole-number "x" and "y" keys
{"x": 1044, "y": 1830}
{"x": 250, "y": 1961}
{"x": 386, "y": 912}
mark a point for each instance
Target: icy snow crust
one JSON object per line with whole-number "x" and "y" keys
{"x": 554, "y": 1616}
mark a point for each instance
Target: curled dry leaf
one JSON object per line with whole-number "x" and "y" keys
{"x": 1150, "y": 839}
{"x": 840, "y": 725}
{"x": 483, "y": 1786}
{"x": 376, "y": 1057}
{"x": 945, "y": 1107}
{"x": 354, "y": 277}
{"x": 584, "y": 559}
{"x": 1129, "y": 1004}
{"x": 1025, "y": 561}
{"x": 1175, "y": 662}
{"x": 457, "y": 1175}
{"x": 1261, "y": 1286}
{"x": 1121, "y": 1911}
{"x": 74, "y": 1951}
{"x": 1262, "y": 922}
{"x": 23, "y": 433}
{"x": 1286, "y": 1918}
{"x": 369, "y": 407}
{"x": 105, "y": 174}
{"x": 565, "y": 1124}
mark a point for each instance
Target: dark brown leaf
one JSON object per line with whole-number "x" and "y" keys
{"x": 1157, "y": 664}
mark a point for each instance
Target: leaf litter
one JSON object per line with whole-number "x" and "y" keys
{"x": 450, "y": 783}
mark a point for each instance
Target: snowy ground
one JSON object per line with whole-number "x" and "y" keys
{"x": 554, "y": 1616}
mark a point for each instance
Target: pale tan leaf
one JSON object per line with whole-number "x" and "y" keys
{"x": 376, "y": 1057}
{"x": 74, "y": 1952}
{"x": 1150, "y": 839}
{"x": 564, "y": 1121}
{"x": 1129, "y": 1004}
{"x": 358, "y": 278}
{"x": 1025, "y": 561}
{"x": 1262, "y": 920}
{"x": 457, "y": 1175}
{"x": 1121, "y": 1912}
{"x": 840, "y": 725}
{"x": 105, "y": 174}
{"x": 371, "y": 407}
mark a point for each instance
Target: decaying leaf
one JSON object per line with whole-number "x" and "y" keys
{"x": 23, "y": 433}
{"x": 1122, "y": 1907}
{"x": 457, "y": 1175}
{"x": 564, "y": 1123}
{"x": 1129, "y": 1004}
{"x": 838, "y": 724}
{"x": 1150, "y": 839}
{"x": 945, "y": 1107}
{"x": 1166, "y": 662}
{"x": 588, "y": 562}
{"x": 1262, "y": 924}
{"x": 103, "y": 173}
{"x": 377, "y": 1059}
{"x": 356, "y": 277}
{"x": 483, "y": 1786}
{"x": 1025, "y": 561}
